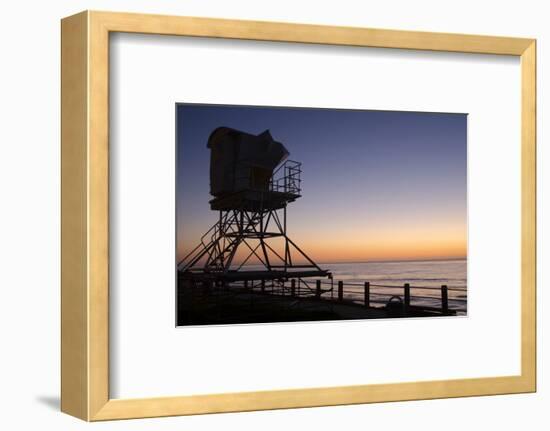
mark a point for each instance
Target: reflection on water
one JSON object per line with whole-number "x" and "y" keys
{"x": 430, "y": 275}
{"x": 387, "y": 279}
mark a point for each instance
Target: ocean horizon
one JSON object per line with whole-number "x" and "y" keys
{"x": 387, "y": 278}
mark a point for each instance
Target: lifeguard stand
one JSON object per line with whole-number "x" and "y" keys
{"x": 252, "y": 182}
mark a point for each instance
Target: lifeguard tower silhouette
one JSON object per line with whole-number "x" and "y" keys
{"x": 251, "y": 182}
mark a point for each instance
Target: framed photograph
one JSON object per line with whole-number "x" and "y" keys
{"x": 264, "y": 215}
{"x": 238, "y": 201}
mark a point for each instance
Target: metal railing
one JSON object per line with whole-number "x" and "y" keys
{"x": 444, "y": 299}
{"x": 287, "y": 178}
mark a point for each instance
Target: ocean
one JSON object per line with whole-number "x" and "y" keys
{"x": 387, "y": 279}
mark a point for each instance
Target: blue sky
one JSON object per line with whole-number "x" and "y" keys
{"x": 375, "y": 184}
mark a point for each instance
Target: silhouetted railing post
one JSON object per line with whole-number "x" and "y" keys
{"x": 263, "y": 286}
{"x": 192, "y": 302}
{"x": 246, "y": 285}
{"x": 318, "y": 288}
{"x": 252, "y": 291}
{"x": 444, "y": 299}
{"x": 340, "y": 290}
{"x": 366, "y": 298}
{"x": 407, "y": 296}
{"x": 293, "y": 287}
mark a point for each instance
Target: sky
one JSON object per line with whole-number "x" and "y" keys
{"x": 376, "y": 185}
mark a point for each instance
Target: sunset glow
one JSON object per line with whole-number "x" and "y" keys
{"x": 377, "y": 185}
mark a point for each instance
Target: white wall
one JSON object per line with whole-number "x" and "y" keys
{"x": 29, "y": 215}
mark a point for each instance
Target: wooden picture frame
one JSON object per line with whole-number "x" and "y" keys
{"x": 85, "y": 223}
